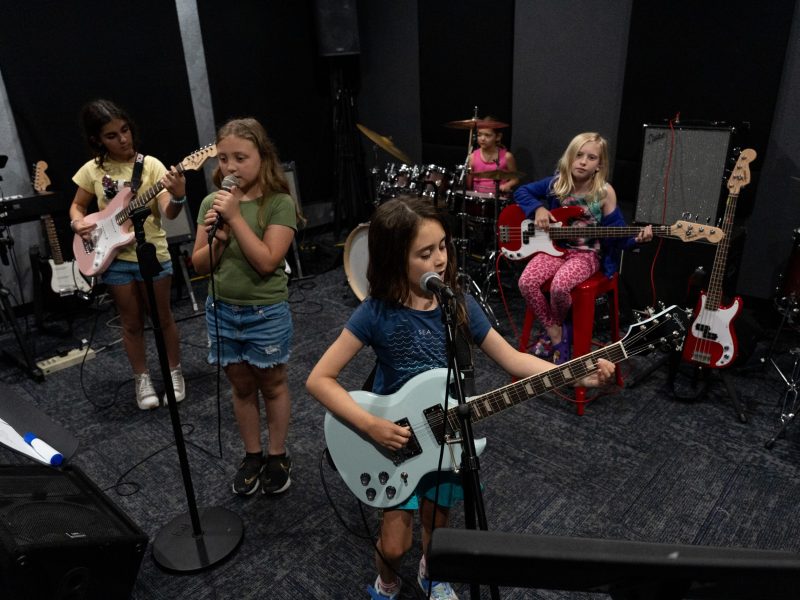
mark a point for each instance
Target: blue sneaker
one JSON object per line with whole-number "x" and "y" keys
{"x": 376, "y": 593}
{"x": 440, "y": 590}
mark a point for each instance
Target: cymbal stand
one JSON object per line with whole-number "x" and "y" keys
{"x": 789, "y": 405}
{"x": 462, "y": 244}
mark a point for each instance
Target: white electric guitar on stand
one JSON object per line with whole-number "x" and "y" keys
{"x": 114, "y": 228}
{"x": 65, "y": 276}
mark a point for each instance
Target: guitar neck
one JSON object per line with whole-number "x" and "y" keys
{"x": 52, "y": 239}
{"x": 601, "y": 232}
{"x": 143, "y": 200}
{"x": 714, "y": 292}
{"x": 498, "y": 400}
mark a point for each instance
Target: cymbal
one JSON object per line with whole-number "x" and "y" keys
{"x": 498, "y": 174}
{"x": 385, "y": 143}
{"x": 477, "y": 123}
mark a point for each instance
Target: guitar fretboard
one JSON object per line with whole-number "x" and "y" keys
{"x": 498, "y": 400}
{"x": 143, "y": 200}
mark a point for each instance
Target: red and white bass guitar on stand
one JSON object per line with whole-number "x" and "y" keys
{"x": 711, "y": 341}
{"x": 518, "y": 237}
{"x": 114, "y": 228}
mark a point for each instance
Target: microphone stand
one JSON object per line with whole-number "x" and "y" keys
{"x": 474, "y": 508}
{"x": 194, "y": 541}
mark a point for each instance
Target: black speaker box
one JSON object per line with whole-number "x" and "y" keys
{"x": 692, "y": 162}
{"x": 337, "y": 27}
{"x": 61, "y": 538}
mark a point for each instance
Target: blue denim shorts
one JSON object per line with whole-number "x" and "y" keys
{"x": 123, "y": 272}
{"x": 258, "y": 335}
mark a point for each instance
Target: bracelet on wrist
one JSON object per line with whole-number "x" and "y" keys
{"x": 181, "y": 200}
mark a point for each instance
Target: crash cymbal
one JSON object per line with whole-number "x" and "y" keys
{"x": 498, "y": 174}
{"x": 385, "y": 143}
{"x": 476, "y": 123}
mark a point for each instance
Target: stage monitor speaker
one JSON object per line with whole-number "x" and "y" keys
{"x": 624, "y": 569}
{"x": 61, "y": 538}
{"x": 337, "y": 27}
{"x": 696, "y": 173}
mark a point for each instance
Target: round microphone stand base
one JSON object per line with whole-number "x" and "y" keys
{"x": 176, "y": 547}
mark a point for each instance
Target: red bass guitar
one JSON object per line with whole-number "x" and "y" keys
{"x": 711, "y": 341}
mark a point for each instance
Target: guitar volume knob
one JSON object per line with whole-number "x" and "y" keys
{"x": 383, "y": 477}
{"x": 365, "y": 479}
{"x": 371, "y": 494}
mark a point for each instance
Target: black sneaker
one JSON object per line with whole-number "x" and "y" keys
{"x": 275, "y": 476}
{"x": 247, "y": 477}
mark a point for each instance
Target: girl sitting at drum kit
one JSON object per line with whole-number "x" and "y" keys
{"x": 490, "y": 155}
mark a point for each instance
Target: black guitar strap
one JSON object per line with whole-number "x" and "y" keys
{"x": 136, "y": 178}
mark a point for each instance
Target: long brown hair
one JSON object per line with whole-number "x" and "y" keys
{"x": 391, "y": 231}
{"x": 97, "y": 114}
{"x": 271, "y": 178}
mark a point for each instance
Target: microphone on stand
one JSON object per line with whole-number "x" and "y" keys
{"x": 228, "y": 183}
{"x": 431, "y": 282}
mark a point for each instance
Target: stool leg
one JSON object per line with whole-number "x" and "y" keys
{"x": 525, "y": 334}
{"x": 582, "y": 324}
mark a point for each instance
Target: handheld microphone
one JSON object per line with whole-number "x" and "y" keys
{"x": 228, "y": 183}
{"x": 430, "y": 282}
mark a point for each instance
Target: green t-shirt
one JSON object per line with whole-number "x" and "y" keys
{"x": 237, "y": 282}
{"x": 90, "y": 178}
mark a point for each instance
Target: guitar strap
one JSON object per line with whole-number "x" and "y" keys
{"x": 136, "y": 178}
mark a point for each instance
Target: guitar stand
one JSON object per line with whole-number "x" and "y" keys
{"x": 190, "y": 542}
{"x": 474, "y": 508}
{"x": 789, "y": 405}
{"x": 704, "y": 375}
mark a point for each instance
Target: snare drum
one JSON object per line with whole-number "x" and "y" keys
{"x": 480, "y": 206}
{"x": 356, "y": 260}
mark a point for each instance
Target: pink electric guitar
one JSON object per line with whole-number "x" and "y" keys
{"x": 711, "y": 341}
{"x": 114, "y": 228}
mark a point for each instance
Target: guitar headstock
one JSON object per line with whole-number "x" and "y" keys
{"x": 665, "y": 330}
{"x": 740, "y": 176}
{"x": 40, "y": 179}
{"x": 196, "y": 159}
{"x": 691, "y": 232}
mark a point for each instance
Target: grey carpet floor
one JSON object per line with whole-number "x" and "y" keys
{"x": 639, "y": 465}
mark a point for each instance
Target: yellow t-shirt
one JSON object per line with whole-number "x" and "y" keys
{"x": 90, "y": 178}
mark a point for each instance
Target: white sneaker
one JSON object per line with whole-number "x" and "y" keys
{"x": 146, "y": 396}
{"x": 178, "y": 385}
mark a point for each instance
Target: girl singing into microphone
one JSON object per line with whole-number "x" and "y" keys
{"x": 247, "y": 310}
{"x": 402, "y": 322}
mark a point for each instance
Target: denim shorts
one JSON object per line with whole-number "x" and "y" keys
{"x": 123, "y": 272}
{"x": 258, "y": 335}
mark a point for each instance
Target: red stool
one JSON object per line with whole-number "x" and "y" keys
{"x": 583, "y": 302}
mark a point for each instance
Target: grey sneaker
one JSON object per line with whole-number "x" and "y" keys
{"x": 146, "y": 396}
{"x": 178, "y": 384}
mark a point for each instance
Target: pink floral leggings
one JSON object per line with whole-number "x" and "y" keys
{"x": 567, "y": 271}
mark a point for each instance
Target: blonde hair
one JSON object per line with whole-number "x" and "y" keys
{"x": 563, "y": 184}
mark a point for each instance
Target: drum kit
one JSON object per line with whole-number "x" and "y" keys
{"x": 476, "y": 212}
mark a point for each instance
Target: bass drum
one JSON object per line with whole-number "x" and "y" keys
{"x": 356, "y": 259}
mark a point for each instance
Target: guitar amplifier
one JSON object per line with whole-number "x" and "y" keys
{"x": 693, "y": 160}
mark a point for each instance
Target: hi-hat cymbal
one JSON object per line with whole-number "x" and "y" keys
{"x": 498, "y": 174}
{"x": 385, "y": 143}
{"x": 476, "y": 123}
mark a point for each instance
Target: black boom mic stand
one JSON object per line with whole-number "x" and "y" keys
{"x": 196, "y": 540}
{"x": 474, "y": 508}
